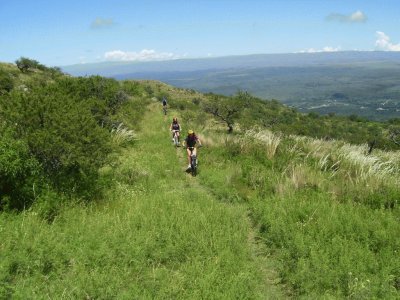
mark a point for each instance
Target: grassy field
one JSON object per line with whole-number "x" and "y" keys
{"x": 157, "y": 235}
{"x": 269, "y": 216}
{"x": 327, "y": 211}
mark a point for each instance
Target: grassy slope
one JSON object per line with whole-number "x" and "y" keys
{"x": 333, "y": 228}
{"x": 159, "y": 235}
{"x": 326, "y": 211}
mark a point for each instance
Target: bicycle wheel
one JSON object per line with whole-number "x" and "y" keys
{"x": 194, "y": 165}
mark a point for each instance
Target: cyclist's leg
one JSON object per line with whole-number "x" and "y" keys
{"x": 189, "y": 153}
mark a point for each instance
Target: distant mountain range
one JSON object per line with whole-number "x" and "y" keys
{"x": 139, "y": 69}
{"x": 354, "y": 82}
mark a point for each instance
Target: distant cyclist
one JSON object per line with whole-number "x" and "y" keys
{"x": 175, "y": 127}
{"x": 190, "y": 144}
{"x": 164, "y": 105}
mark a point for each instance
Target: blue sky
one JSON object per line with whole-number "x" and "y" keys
{"x": 60, "y": 33}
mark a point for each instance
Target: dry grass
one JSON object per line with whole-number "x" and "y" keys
{"x": 353, "y": 160}
{"x": 269, "y": 140}
{"x": 365, "y": 165}
{"x": 121, "y": 135}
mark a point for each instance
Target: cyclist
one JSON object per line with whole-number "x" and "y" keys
{"x": 190, "y": 144}
{"x": 164, "y": 105}
{"x": 175, "y": 127}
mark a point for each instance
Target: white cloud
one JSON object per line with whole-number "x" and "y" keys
{"x": 325, "y": 49}
{"x": 102, "y": 23}
{"x": 356, "y": 17}
{"x": 144, "y": 55}
{"x": 383, "y": 42}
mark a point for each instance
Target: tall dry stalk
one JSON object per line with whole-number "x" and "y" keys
{"x": 121, "y": 135}
{"x": 269, "y": 140}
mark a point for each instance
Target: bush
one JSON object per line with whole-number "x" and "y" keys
{"x": 19, "y": 172}
{"x": 104, "y": 96}
{"x": 6, "y": 82}
{"x": 61, "y": 133}
{"x": 48, "y": 205}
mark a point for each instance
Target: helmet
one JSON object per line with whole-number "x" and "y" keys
{"x": 190, "y": 131}
{"x": 175, "y": 119}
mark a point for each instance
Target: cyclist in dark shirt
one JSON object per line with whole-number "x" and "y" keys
{"x": 190, "y": 144}
{"x": 164, "y": 105}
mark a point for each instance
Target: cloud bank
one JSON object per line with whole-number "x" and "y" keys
{"x": 325, "y": 49}
{"x": 144, "y": 55}
{"x": 356, "y": 17}
{"x": 102, "y": 23}
{"x": 383, "y": 42}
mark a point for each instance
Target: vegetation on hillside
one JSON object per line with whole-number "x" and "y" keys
{"x": 369, "y": 89}
{"x": 326, "y": 209}
{"x": 285, "y": 204}
{"x": 58, "y": 130}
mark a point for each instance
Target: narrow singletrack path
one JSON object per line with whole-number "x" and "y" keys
{"x": 186, "y": 192}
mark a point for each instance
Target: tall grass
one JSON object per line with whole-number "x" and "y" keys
{"x": 122, "y": 134}
{"x": 267, "y": 139}
{"x": 327, "y": 210}
{"x": 155, "y": 235}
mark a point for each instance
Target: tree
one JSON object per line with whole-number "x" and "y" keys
{"x": 394, "y": 134}
{"x": 24, "y": 64}
{"x": 228, "y": 110}
{"x": 224, "y": 109}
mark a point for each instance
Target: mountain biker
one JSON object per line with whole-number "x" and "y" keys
{"x": 190, "y": 144}
{"x": 175, "y": 127}
{"x": 164, "y": 103}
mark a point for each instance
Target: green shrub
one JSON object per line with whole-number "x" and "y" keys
{"x": 48, "y": 205}
{"x": 6, "y": 82}
{"x": 61, "y": 133}
{"x": 132, "y": 88}
{"x": 19, "y": 172}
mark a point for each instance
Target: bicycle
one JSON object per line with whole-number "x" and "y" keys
{"x": 164, "y": 110}
{"x": 176, "y": 138}
{"x": 193, "y": 162}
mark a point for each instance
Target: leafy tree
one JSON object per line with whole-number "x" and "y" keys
{"x": 24, "y": 64}
{"x": 227, "y": 109}
{"x": 394, "y": 134}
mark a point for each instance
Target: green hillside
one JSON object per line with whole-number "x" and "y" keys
{"x": 95, "y": 202}
{"x": 344, "y": 82}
